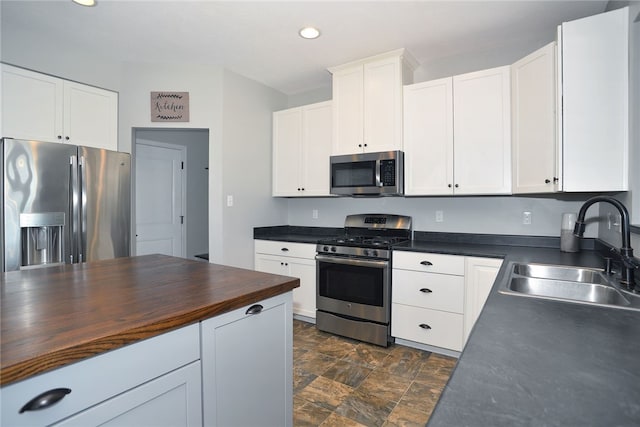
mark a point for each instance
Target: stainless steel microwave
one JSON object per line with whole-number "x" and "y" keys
{"x": 368, "y": 174}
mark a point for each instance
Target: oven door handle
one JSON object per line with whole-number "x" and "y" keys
{"x": 353, "y": 261}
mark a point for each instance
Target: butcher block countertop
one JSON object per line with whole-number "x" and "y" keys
{"x": 54, "y": 316}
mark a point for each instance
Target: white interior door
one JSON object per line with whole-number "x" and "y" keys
{"x": 159, "y": 199}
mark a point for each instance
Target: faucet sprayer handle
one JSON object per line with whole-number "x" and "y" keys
{"x": 578, "y": 229}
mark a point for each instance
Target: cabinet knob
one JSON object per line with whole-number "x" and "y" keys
{"x": 426, "y": 290}
{"x": 555, "y": 180}
{"x": 425, "y": 263}
{"x": 66, "y": 138}
{"x": 360, "y": 145}
{"x": 449, "y": 185}
{"x": 59, "y": 136}
{"x": 46, "y": 399}
{"x": 254, "y": 309}
{"x": 547, "y": 181}
{"x": 302, "y": 188}
{"x": 457, "y": 186}
{"x": 424, "y": 326}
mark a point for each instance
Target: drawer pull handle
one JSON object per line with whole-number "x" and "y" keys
{"x": 254, "y": 309}
{"x": 285, "y": 249}
{"x": 426, "y": 290}
{"x": 46, "y": 399}
{"x": 425, "y": 263}
{"x": 424, "y": 326}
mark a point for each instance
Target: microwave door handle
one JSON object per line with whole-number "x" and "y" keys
{"x": 378, "y": 168}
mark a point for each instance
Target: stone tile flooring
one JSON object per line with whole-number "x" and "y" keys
{"x": 342, "y": 382}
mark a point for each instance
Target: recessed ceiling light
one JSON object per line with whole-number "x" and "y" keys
{"x": 85, "y": 2}
{"x": 309, "y": 33}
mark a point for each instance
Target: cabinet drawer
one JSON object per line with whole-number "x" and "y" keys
{"x": 99, "y": 378}
{"x": 432, "y": 263}
{"x": 428, "y": 290}
{"x": 439, "y": 328}
{"x": 296, "y": 250}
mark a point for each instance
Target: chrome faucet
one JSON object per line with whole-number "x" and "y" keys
{"x": 629, "y": 262}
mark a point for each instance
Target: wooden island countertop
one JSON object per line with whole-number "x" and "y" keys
{"x": 51, "y": 317}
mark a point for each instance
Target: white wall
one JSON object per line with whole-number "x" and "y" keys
{"x": 246, "y": 170}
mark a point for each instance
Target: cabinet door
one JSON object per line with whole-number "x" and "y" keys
{"x": 533, "y": 95}
{"x": 247, "y": 366}
{"x": 317, "y": 137}
{"x": 428, "y": 138}
{"x": 90, "y": 116}
{"x": 348, "y": 110}
{"x": 482, "y": 135}
{"x": 480, "y": 274}
{"x": 287, "y": 152}
{"x": 595, "y": 96}
{"x": 304, "y": 297}
{"x": 271, "y": 264}
{"x": 171, "y": 400}
{"x": 383, "y": 105}
{"x": 31, "y": 105}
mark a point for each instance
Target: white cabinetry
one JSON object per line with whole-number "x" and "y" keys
{"x": 437, "y": 298}
{"x": 45, "y": 108}
{"x": 482, "y": 132}
{"x": 535, "y": 157}
{"x": 291, "y": 259}
{"x": 247, "y": 365}
{"x": 427, "y": 299}
{"x": 457, "y": 135}
{"x": 480, "y": 274}
{"x": 595, "y": 102}
{"x": 154, "y": 382}
{"x": 301, "y": 149}
{"x": 367, "y": 102}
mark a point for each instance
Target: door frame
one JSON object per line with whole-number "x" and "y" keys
{"x": 183, "y": 199}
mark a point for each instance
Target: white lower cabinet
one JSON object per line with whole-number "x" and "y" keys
{"x": 153, "y": 382}
{"x": 247, "y": 365}
{"x": 480, "y": 274}
{"x": 295, "y": 260}
{"x": 437, "y": 298}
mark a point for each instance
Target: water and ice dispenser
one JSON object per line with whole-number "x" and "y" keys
{"x": 41, "y": 235}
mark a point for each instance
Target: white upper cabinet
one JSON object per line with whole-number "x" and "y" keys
{"x": 301, "y": 150}
{"x": 428, "y": 138}
{"x": 482, "y": 132}
{"x": 533, "y": 122}
{"x": 595, "y": 102}
{"x": 457, "y": 135}
{"x": 45, "y": 108}
{"x": 367, "y": 97}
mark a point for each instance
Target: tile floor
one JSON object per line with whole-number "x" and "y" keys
{"x": 342, "y": 382}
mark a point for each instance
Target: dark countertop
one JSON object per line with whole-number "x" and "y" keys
{"x": 534, "y": 362}
{"x": 54, "y": 316}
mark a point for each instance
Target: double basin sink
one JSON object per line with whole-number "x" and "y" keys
{"x": 573, "y": 284}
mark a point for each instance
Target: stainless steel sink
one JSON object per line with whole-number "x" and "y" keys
{"x": 572, "y": 284}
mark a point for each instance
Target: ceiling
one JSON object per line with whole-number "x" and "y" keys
{"x": 259, "y": 39}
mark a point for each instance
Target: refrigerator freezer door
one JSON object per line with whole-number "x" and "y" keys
{"x": 105, "y": 181}
{"x": 37, "y": 180}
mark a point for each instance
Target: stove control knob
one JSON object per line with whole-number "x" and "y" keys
{"x": 333, "y": 249}
{"x": 374, "y": 253}
{"x": 365, "y": 252}
{"x": 325, "y": 248}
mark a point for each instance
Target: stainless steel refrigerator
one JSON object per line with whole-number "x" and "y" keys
{"x": 63, "y": 204}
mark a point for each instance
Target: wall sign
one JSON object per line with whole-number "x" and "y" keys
{"x": 169, "y": 106}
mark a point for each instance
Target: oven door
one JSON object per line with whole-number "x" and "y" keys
{"x": 354, "y": 287}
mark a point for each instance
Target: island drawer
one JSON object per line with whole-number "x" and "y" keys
{"x": 101, "y": 377}
{"x": 427, "y": 262}
{"x": 428, "y": 290}
{"x": 290, "y": 249}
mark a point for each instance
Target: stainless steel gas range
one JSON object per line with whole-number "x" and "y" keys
{"x": 353, "y": 282}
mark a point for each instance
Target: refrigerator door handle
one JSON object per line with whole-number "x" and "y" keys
{"x": 73, "y": 208}
{"x": 83, "y": 208}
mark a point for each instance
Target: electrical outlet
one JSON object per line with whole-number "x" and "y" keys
{"x": 439, "y": 216}
{"x": 229, "y": 200}
{"x": 527, "y": 218}
{"x": 314, "y": 214}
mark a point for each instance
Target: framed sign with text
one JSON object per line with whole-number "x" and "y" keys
{"x": 169, "y": 106}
